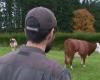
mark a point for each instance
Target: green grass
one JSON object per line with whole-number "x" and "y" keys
{"x": 90, "y": 72}
{"x": 4, "y": 50}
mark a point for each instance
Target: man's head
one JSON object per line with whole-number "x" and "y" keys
{"x": 40, "y": 24}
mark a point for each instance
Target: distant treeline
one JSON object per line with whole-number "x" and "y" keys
{"x": 12, "y": 12}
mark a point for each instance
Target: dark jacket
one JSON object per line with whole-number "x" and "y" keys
{"x": 29, "y": 63}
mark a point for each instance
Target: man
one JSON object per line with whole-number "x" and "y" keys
{"x": 29, "y": 62}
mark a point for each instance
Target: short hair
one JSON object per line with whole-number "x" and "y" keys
{"x": 37, "y": 37}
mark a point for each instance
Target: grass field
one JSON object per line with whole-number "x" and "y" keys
{"x": 90, "y": 72}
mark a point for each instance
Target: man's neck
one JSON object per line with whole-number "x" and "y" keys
{"x": 37, "y": 45}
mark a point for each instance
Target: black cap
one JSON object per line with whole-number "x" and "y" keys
{"x": 40, "y": 18}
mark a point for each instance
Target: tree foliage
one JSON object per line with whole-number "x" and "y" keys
{"x": 94, "y": 7}
{"x": 12, "y": 12}
{"x": 83, "y": 21}
{"x": 17, "y": 9}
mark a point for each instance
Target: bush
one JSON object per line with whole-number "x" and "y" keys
{"x": 5, "y": 37}
{"x": 59, "y": 38}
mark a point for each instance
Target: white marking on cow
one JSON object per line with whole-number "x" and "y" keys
{"x": 76, "y": 54}
{"x": 84, "y": 65}
{"x": 98, "y": 48}
{"x": 71, "y": 67}
{"x": 81, "y": 61}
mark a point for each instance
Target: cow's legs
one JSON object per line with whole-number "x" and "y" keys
{"x": 69, "y": 54}
{"x": 71, "y": 59}
{"x": 68, "y": 61}
{"x": 71, "y": 63}
{"x": 83, "y": 61}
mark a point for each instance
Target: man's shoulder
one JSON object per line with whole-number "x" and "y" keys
{"x": 34, "y": 62}
{"x": 55, "y": 66}
{"x": 59, "y": 71}
{"x": 27, "y": 73}
{"x": 8, "y": 57}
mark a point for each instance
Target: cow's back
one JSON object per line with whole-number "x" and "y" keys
{"x": 82, "y": 47}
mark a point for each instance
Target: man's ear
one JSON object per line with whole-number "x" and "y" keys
{"x": 50, "y": 35}
{"x": 25, "y": 31}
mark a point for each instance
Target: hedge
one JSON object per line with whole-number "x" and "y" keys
{"x": 59, "y": 38}
{"x": 5, "y": 37}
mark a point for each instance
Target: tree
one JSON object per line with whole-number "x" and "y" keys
{"x": 94, "y": 7}
{"x": 62, "y": 8}
{"x": 3, "y": 15}
{"x": 64, "y": 13}
{"x": 83, "y": 21}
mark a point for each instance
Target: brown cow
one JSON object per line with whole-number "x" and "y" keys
{"x": 83, "y": 48}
